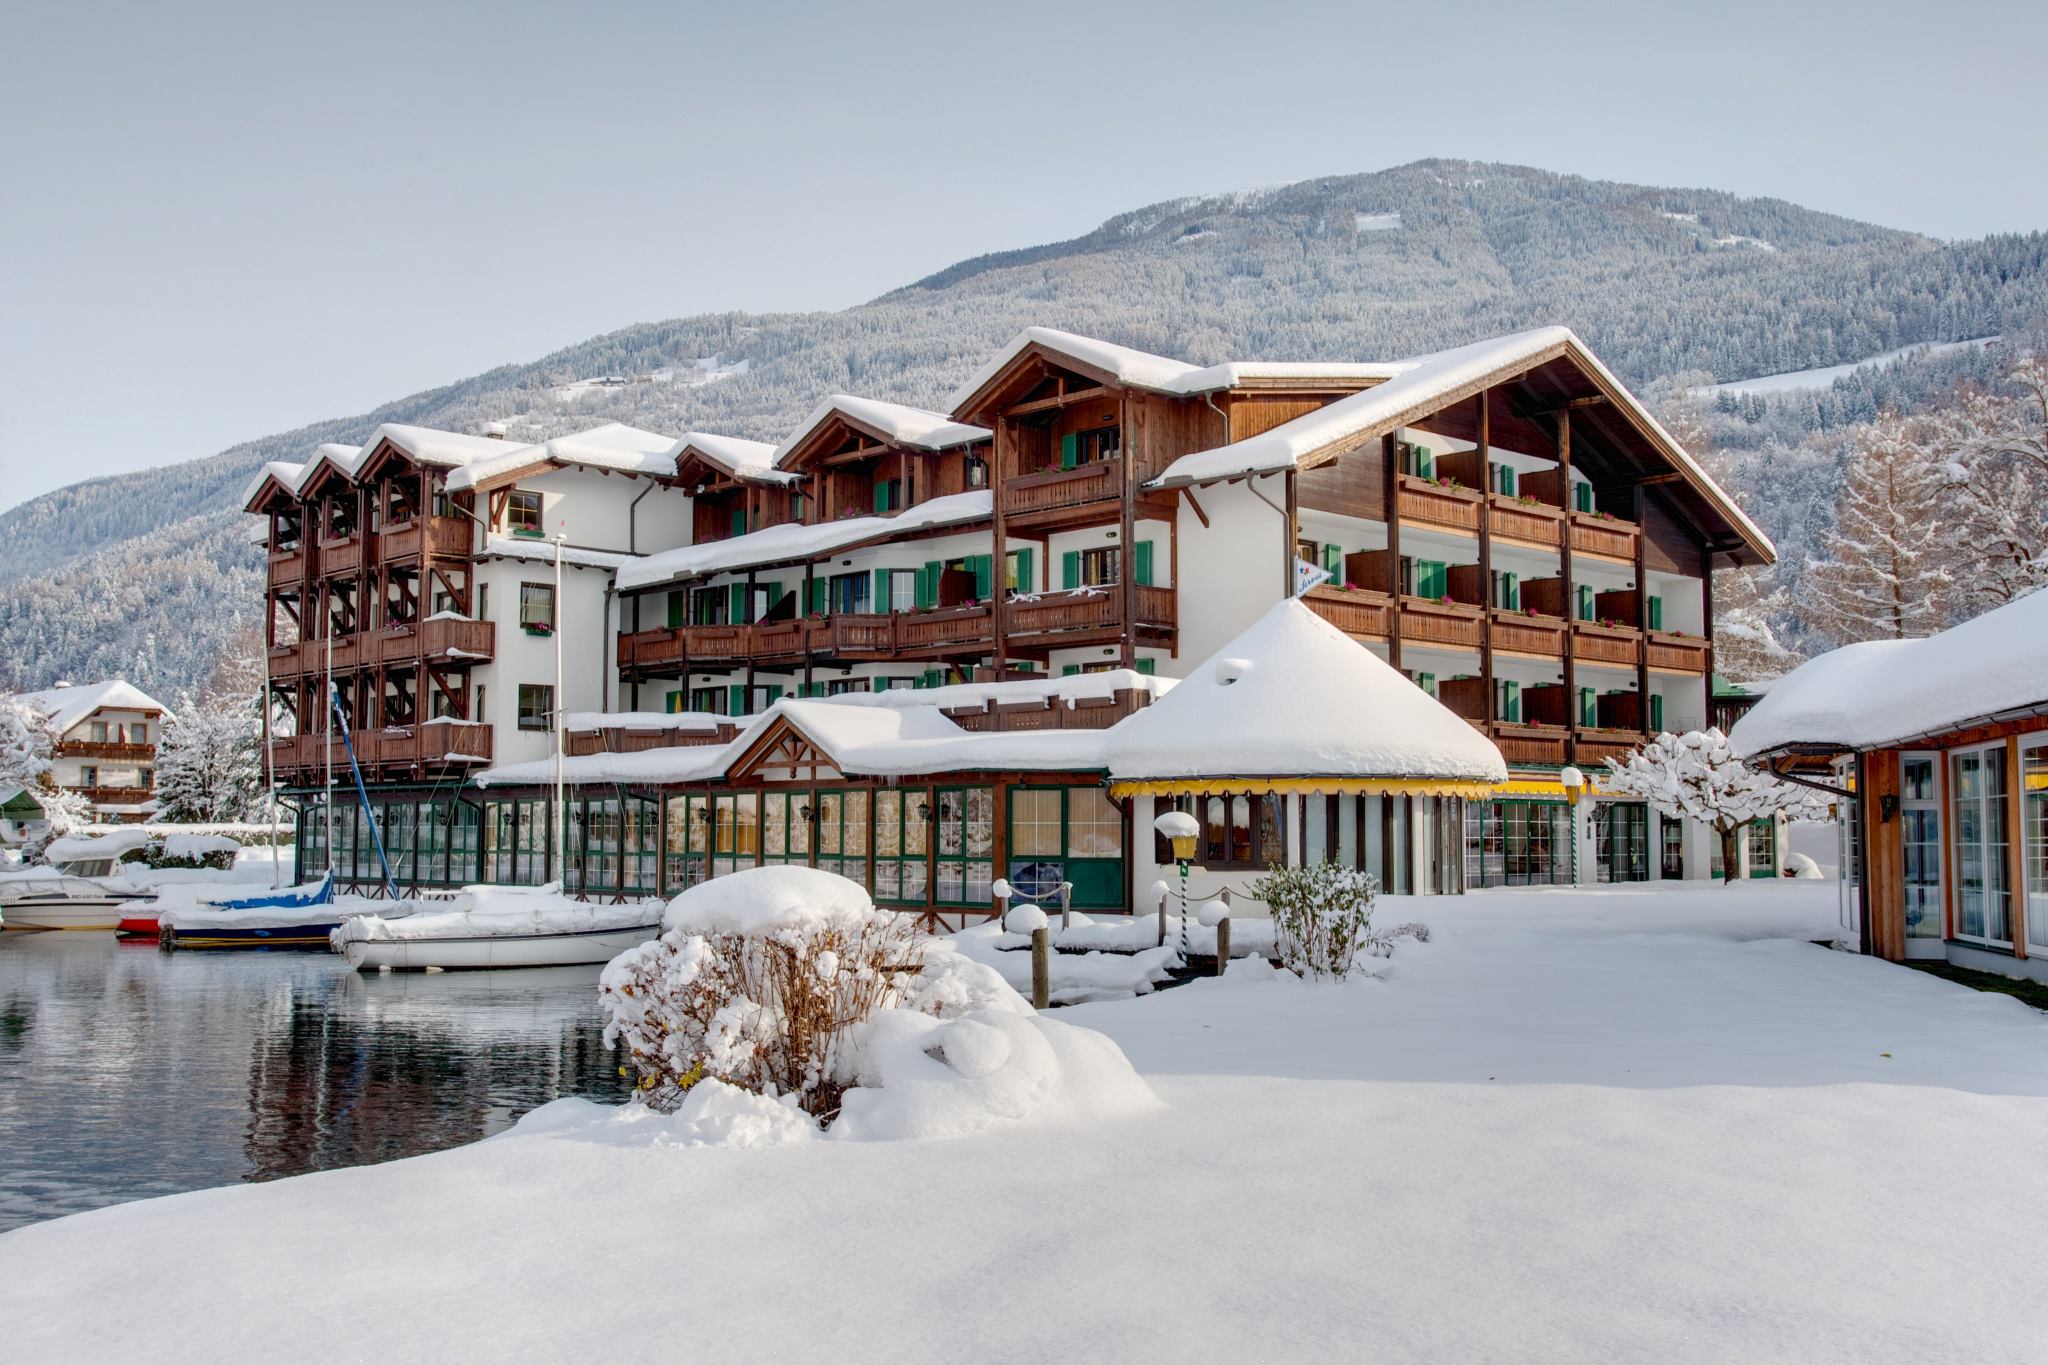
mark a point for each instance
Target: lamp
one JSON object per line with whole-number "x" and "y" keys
{"x": 1574, "y": 783}
{"x": 1180, "y": 830}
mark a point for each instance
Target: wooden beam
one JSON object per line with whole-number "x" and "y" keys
{"x": 1059, "y": 400}
{"x": 1189, "y": 494}
{"x": 1526, "y": 409}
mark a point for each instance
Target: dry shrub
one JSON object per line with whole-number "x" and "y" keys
{"x": 771, "y": 1012}
{"x": 1322, "y": 916}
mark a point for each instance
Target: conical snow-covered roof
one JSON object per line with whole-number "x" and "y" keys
{"x": 1293, "y": 696}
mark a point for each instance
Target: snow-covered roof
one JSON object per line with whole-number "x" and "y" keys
{"x": 285, "y": 472}
{"x": 1162, "y": 374}
{"x": 879, "y": 741}
{"x": 1067, "y": 688}
{"x": 67, "y": 706}
{"x": 543, "y": 551}
{"x": 792, "y": 542}
{"x": 741, "y": 459}
{"x": 1886, "y": 692}
{"x": 1293, "y": 696}
{"x": 613, "y": 446}
{"x": 1422, "y": 386}
{"x": 448, "y": 449}
{"x": 917, "y": 428}
{"x": 703, "y": 722}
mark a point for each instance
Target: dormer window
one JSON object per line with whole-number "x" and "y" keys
{"x": 1089, "y": 447}
{"x": 522, "y": 513}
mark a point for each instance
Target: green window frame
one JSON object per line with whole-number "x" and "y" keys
{"x": 1589, "y": 707}
{"x": 963, "y": 845}
{"x": 1507, "y": 701}
{"x": 1141, "y": 561}
{"x": 902, "y": 854}
{"x": 1654, "y": 610}
{"x": 1019, "y": 571}
{"x": 1656, "y": 713}
{"x": 1585, "y": 596}
{"x": 678, "y": 609}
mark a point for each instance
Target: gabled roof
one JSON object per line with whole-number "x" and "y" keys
{"x": 1427, "y": 384}
{"x": 1886, "y": 692}
{"x": 445, "y": 449}
{"x": 275, "y": 477}
{"x": 67, "y": 706}
{"x": 793, "y": 541}
{"x": 887, "y": 423}
{"x": 1123, "y": 365}
{"x": 613, "y": 446}
{"x": 1293, "y": 696}
{"x": 737, "y": 458}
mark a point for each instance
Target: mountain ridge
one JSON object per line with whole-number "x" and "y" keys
{"x": 1660, "y": 281}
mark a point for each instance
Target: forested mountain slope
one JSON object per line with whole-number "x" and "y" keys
{"x": 144, "y": 573}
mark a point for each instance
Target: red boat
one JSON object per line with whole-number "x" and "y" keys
{"x": 136, "y": 926}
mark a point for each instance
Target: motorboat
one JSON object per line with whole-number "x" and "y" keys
{"x": 498, "y": 926}
{"x": 79, "y": 895}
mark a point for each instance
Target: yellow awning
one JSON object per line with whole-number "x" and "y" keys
{"x": 1306, "y": 786}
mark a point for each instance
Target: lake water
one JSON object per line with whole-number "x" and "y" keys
{"x": 126, "y": 1072}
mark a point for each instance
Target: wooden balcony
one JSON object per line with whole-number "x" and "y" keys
{"x": 658, "y": 648}
{"x": 1087, "y": 609}
{"x": 1358, "y": 612}
{"x": 1428, "y": 622}
{"x": 444, "y": 639}
{"x": 344, "y": 555}
{"x": 287, "y": 567}
{"x": 1677, "y": 653}
{"x": 392, "y": 751}
{"x": 949, "y": 629}
{"x": 1531, "y": 523}
{"x": 1608, "y": 537}
{"x": 621, "y": 739}
{"x": 1545, "y": 745}
{"x": 1431, "y": 504}
{"x": 115, "y": 796}
{"x": 1591, "y": 746}
{"x": 1059, "y": 488}
{"x": 1595, "y": 643}
{"x": 103, "y": 749}
{"x": 1515, "y": 632}
{"x": 447, "y": 536}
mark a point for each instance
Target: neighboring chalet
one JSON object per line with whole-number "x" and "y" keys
{"x": 1503, "y": 524}
{"x": 1937, "y": 751}
{"x": 105, "y": 749}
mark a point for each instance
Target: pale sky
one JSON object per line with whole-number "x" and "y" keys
{"x": 220, "y": 221}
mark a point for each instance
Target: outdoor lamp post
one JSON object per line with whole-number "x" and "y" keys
{"x": 1574, "y": 783}
{"x": 1180, "y": 830}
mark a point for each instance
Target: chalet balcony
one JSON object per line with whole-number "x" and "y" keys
{"x": 115, "y": 796}
{"x": 392, "y": 751}
{"x": 1607, "y": 537}
{"x": 1358, "y": 612}
{"x": 1595, "y": 643}
{"x": 1544, "y": 745}
{"x": 287, "y": 567}
{"x": 1060, "y": 488}
{"x": 1425, "y": 621}
{"x": 1594, "y": 746}
{"x": 1431, "y": 504}
{"x": 1676, "y": 653}
{"x": 102, "y": 749}
{"x": 1528, "y": 522}
{"x": 622, "y": 739}
{"x": 1516, "y": 632}
{"x": 1082, "y": 610}
{"x": 445, "y": 639}
{"x": 446, "y": 536}
{"x": 341, "y": 554}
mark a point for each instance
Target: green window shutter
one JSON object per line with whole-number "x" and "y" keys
{"x": 1589, "y": 707}
{"x": 739, "y": 521}
{"x": 983, "y": 567}
{"x": 1582, "y": 496}
{"x": 928, "y": 584}
{"x": 1069, "y": 670}
{"x": 737, "y": 613}
{"x": 934, "y": 677}
{"x": 1021, "y": 571}
{"x": 1145, "y": 563}
{"x": 1510, "y": 702}
{"x": 774, "y": 691}
{"x": 1148, "y": 666}
{"x": 1432, "y": 579}
{"x": 881, "y": 496}
{"x": 1425, "y": 462}
{"x": 1656, "y": 710}
{"x": 1656, "y": 613}
{"x": 1333, "y": 562}
{"x": 677, "y": 605}
{"x": 1070, "y": 450}
{"x": 880, "y": 601}
{"x": 1025, "y": 666}
{"x": 1585, "y": 601}
{"x": 677, "y": 703}
{"x": 1070, "y": 569}
{"x": 736, "y": 700}
{"x": 1427, "y": 682}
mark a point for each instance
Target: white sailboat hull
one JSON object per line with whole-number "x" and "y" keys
{"x": 65, "y": 912}
{"x": 496, "y": 950}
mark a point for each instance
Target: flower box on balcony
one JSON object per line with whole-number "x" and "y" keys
{"x": 529, "y": 532}
{"x": 538, "y": 630}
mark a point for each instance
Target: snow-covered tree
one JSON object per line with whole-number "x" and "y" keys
{"x": 1748, "y": 604}
{"x": 27, "y": 742}
{"x": 1697, "y": 776}
{"x": 1997, "y": 485}
{"x": 1884, "y": 571}
{"x": 210, "y": 765}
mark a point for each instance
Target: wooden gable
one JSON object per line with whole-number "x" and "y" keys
{"x": 1035, "y": 375}
{"x": 783, "y": 753}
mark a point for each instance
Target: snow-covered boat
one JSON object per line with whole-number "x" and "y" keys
{"x": 498, "y": 926}
{"x": 296, "y": 917}
{"x": 52, "y": 898}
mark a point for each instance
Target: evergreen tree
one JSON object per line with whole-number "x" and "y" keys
{"x": 210, "y": 765}
{"x": 1884, "y": 572}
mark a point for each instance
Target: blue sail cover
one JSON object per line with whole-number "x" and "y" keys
{"x": 319, "y": 893}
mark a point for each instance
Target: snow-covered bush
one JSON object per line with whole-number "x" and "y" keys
{"x": 1322, "y": 916}
{"x": 764, "y": 980}
{"x": 213, "y": 851}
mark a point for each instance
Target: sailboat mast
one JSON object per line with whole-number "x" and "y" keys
{"x": 327, "y": 796}
{"x": 269, "y": 760}
{"x": 561, "y": 807}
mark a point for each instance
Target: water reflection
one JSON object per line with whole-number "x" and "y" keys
{"x": 125, "y": 1072}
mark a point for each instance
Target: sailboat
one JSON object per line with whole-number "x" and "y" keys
{"x": 495, "y": 926}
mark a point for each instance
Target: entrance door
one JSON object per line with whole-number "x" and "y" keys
{"x": 1977, "y": 790}
{"x": 1920, "y": 847}
{"x": 1763, "y": 848}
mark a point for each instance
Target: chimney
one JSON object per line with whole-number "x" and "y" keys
{"x": 495, "y": 430}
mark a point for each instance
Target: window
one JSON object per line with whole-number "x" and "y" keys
{"x": 1416, "y": 460}
{"x": 1507, "y": 701}
{"x": 537, "y": 608}
{"x": 1763, "y": 847}
{"x": 1504, "y": 480}
{"x": 708, "y": 700}
{"x": 1089, "y": 447}
{"x": 1582, "y": 497}
{"x": 2034, "y": 843}
{"x": 902, "y": 586}
{"x": 536, "y": 706}
{"x": 1621, "y": 851}
{"x": 964, "y": 824}
{"x": 888, "y": 495}
{"x": 99, "y": 732}
{"x": 522, "y": 513}
{"x": 88, "y": 776}
{"x": 1671, "y": 837}
{"x": 1977, "y": 800}
{"x": 1425, "y": 578}
{"x": 708, "y": 606}
{"x": 1920, "y": 846}
{"x": 145, "y": 778}
{"x": 1507, "y": 591}
{"x": 849, "y": 593}
{"x": 1240, "y": 831}
{"x": 1020, "y": 572}
{"x": 903, "y": 823}
{"x": 1098, "y": 568}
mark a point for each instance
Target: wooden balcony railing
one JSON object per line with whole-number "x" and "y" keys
{"x": 1606, "y": 536}
{"x": 104, "y": 749}
{"x": 115, "y": 796}
{"x": 1544, "y": 744}
{"x": 1597, "y": 746}
{"x": 1517, "y": 633}
{"x": 1430, "y": 503}
{"x": 1533, "y": 523}
{"x": 343, "y": 555}
{"x": 1596, "y": 643}
{"x": 1424, "y": 621}
{"x": 949, "y": 627}
{"x": 1063, "y": 487}
{"x": 442, "y": 535}
{"x": 1680, "y": 653}
{"x": 1358, "y": 612}
{"x": 302, "y": 759}
{"x": 445, "y": 639}
{"x": 287, "y": 567}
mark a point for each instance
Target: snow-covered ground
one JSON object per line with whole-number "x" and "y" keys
{"x": 1626, "y": 1125}
{"x": 1793, "y": 381}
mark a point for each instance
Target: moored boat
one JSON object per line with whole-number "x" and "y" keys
{"x": 494, "y": 926}
{"x": 46, "y": 898}
{"x": 296, "y": 917}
